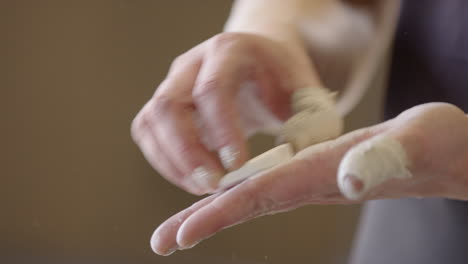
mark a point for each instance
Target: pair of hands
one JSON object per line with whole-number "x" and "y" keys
{"x": 194, "y": 129}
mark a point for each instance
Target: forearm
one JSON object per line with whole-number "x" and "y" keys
{"x": 318, "y": 33}
{"x": 278, "y": 20}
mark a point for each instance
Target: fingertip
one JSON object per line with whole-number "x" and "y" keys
{"x": 229, "y": 156}
{"x": 164, "y": 239}
{"x": 155, "y": 243}
{"x": 370, "y": 164}
{"x": 189, "y": 185}
{"x": 234, "y": 154}
{"x": 198, "y": 227}
{"x": 206, "y": 180}
{"x": 158, "y": 246}
{"x": 183, "y": 239}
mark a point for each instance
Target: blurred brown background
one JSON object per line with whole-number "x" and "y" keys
{"x": 74, "y": 188}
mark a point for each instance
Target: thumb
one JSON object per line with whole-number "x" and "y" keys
{"x": 422, "y": 148}
{"x": 370, "y": 163}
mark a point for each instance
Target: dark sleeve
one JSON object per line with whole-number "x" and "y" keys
{"x": 430, "y": 64}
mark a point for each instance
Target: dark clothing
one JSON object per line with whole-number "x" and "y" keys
{"x": 413, "y": 231}
{"x": 430, "y": 59}
{"x": 430, "y": 64}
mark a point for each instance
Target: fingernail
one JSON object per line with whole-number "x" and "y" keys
{"x": 158, "y": 248}
{"x": 228, "y": 156}
{"x": 190, "y": 245}
{"x": 205, "y": 179}
{"x": 170, "y": 251}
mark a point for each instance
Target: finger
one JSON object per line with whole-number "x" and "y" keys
{"x": 310, "y": 177}
{"x": 385, "y": 158}
{"x": 253, "y": 198}
{"x": 178, "y": 177}
{"x": 372, "y": 163}
{"x": 231, "y": 61}
{"x": 152, "y": 152}
{"x": 179, "y": 137}
{"x": 181, "y": 142}
{"x": 214, "y": 96}
{"x": 163, "y": 240}
{"x": 408, "y": 159}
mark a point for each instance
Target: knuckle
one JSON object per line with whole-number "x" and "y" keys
{"x": 162, "y": 104}
{"x": 186, "y": 58}
{"x": 226, "y": 40}
{"x": 206, "y": 88}
{"x": 179, "y": 60}
{"x": 146, "y": 120}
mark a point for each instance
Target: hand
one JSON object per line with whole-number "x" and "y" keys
{"x": 421, "y": 153}
{"x": 195, "y": 126}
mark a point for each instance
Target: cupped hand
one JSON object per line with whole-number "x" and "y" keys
{"x": 215, "y": 95}
{"x": 421, "y": 153}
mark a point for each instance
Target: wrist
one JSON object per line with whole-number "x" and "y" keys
{"x": 278, "y": 21}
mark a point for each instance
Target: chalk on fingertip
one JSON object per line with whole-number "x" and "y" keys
{"x": 371, "y": 163}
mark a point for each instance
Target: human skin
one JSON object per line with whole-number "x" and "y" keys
{"x": 433, "y": 135}
{"x": 203, "y": 82}
{"x": 262, "y": 44}
{"x": 271, "y": 53}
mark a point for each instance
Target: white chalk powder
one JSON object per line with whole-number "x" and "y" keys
{"x": 371, "y": 163}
